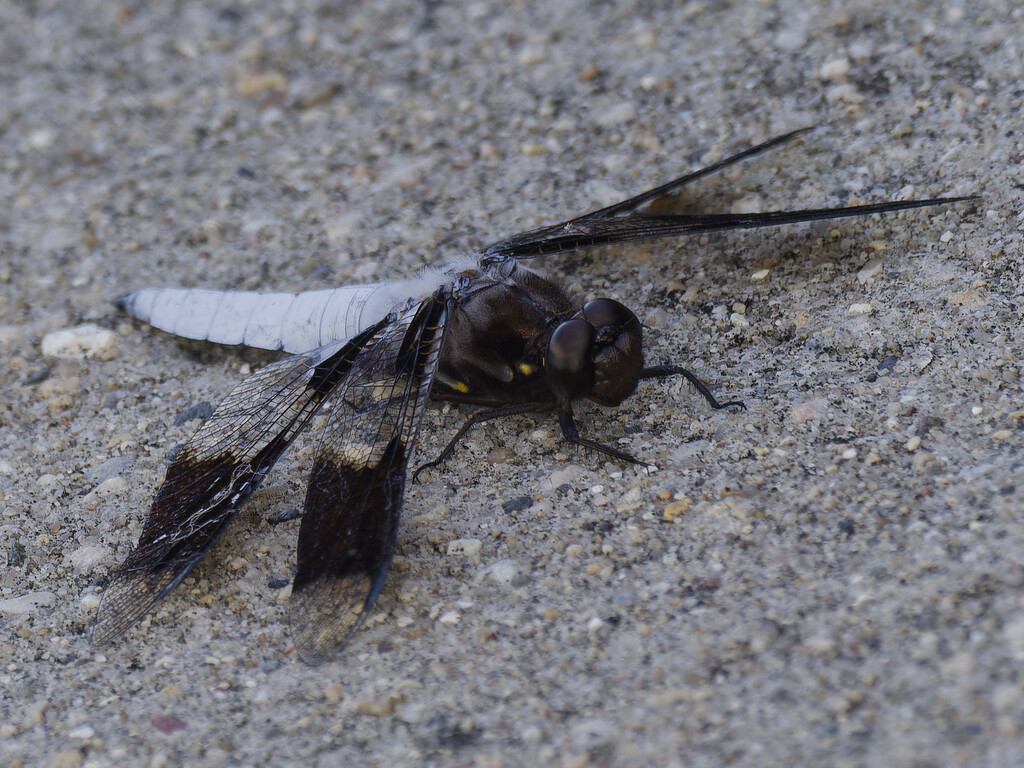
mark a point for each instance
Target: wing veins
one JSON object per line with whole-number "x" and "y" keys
{"x": 354, "y": 498}
{"x": 574, "y": 236}
{"x": 212, "y": 477}
{"x": 620, "y": 223}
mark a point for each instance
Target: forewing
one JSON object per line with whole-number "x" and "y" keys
{"x": 620, "y": 223}
{"x": 354, "y": 498}
{"x": 216, "y": 471}
{"x": 577, "y": 235}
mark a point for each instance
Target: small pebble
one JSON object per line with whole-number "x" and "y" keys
{"x": 532, "y": 55}
{"x": 333, "y": 693}
{"x": 82, "y": 341}
{"x": 501, "y": 571}
{"x": 806, "y": 411}
{"x": 465, "y": 547}
{"x": 380, "y": 707}
{"x": 677, "y": 509}
{"x": 87, "y": 557}
{"x": 261, "y": 82}
{"x": 68, "y": 758}
{"x": 28, "y": 603}
{"x": 616, "y": 114}
{"x": 846, "y": 93}
{"x": 167, "y": 724}
{"x": 595, "y": 624}
{"x": 869, "y": 270}
{"x": 835, "y": 69}
{"x": 903, "y": 128}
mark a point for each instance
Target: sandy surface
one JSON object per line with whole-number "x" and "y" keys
{"x": 833, "y": 577}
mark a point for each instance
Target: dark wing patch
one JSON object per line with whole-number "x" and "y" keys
{"x": 216, "y": 471}
{"x": 354, "y": 498}
{"x": 346, "y": 542}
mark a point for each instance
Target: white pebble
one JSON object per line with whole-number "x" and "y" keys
{"x": 835, "y": 70}
{"x": 85, "y": 558}
{"x": 27, "y": 603}
{"x": 42, "y": 138}
{"x": 565, "y": 476}
{"x": 748, "y": 204}
{"x": 501, "y": 571}
{"x": 531, "y": 55}
{"x": 465, "y": 547}
{"x": 616, "y": 114}
{"x": 847, "y": 92}
{"x": 82, "y": 341}
{"x": 109, "y": 486}
{"x": 869, "y": 270}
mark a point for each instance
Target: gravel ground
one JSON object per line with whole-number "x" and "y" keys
{"x": 832, "y": 577}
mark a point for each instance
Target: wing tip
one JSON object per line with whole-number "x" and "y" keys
{"x": 326, "y": 612}
{"x": 104, "y": 631}
{"x": 110, "y": 623}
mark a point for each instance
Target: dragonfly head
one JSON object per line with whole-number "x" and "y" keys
{"x": 598, "y": 354}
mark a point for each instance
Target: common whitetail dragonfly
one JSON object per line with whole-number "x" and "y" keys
{"x": 490, "y": 333}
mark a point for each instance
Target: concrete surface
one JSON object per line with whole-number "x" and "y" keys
{"x": 834, "y": 576}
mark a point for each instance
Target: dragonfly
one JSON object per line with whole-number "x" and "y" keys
{"x": 489, "y": 331}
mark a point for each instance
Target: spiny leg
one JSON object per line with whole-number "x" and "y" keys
{"x": 568, "y": 423}
{"x": 662, "y": 371}
{"x": 479, "y": 418}
{"x": 572, "y": 434}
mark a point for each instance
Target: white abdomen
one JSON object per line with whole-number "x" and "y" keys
{"x": 294, "y": 322}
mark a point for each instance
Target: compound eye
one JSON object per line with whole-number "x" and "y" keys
{"x": 568, "y": 365}
{"x": 617, "y": 351}
{"x": 602, "y": 313}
